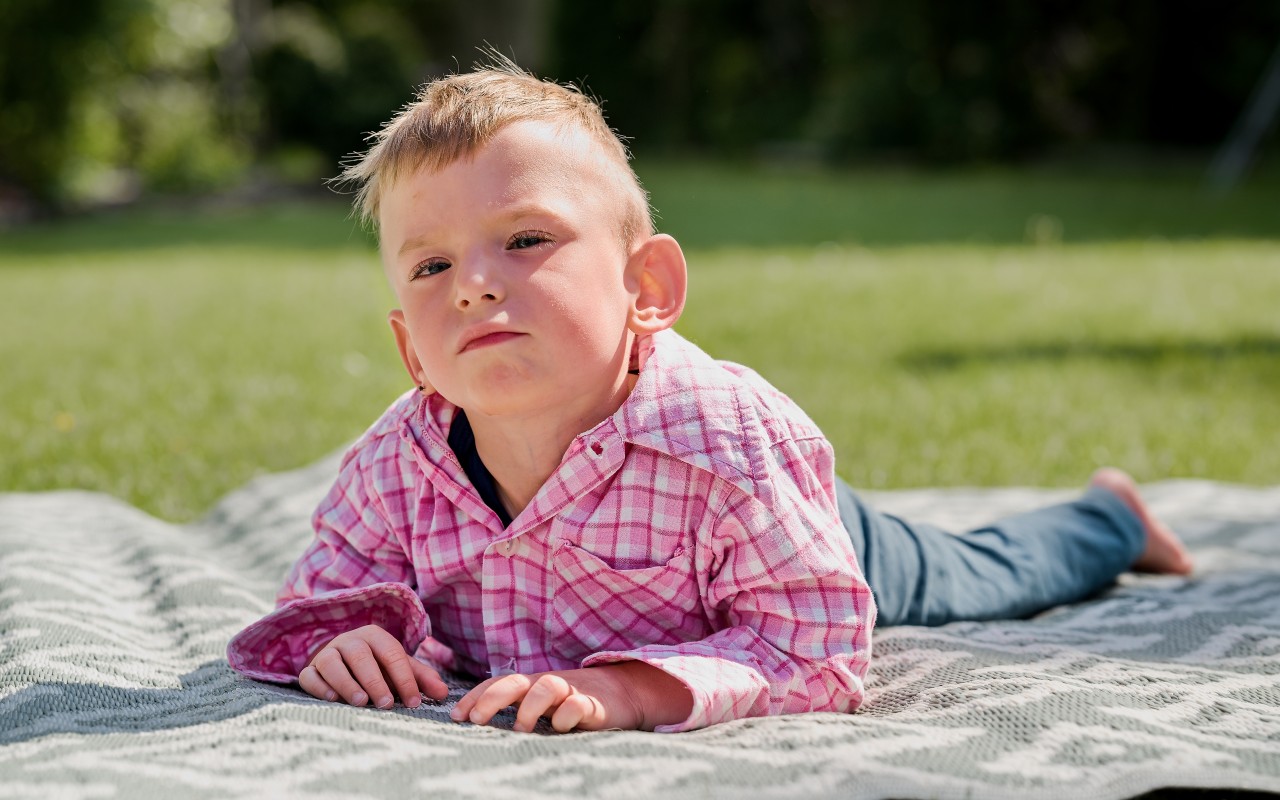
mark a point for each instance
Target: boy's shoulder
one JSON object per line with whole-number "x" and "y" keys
{"x": 714, "y": 414}
{"x": 383, "y": 442}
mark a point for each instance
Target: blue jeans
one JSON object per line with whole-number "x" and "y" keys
{"x": 922, "y": 575}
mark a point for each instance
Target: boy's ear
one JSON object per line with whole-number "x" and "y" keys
{"x": 657, "y": 279}
{"x": 407, "y": 354}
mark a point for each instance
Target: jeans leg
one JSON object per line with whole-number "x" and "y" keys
{"x": 923, "y": 575}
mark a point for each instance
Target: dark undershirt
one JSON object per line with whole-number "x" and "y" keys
{"x": 463, "y": 443}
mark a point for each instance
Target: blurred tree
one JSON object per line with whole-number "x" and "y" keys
{"x": 161, "y": 86}
{"x": 104, "y": 98}
{"x": 988, "y": 79}
{"x": 728, "y": 74}
{"x": 330, "y": 71}
{"x": 108, "y": 96}
{"x": 43, "y": 71}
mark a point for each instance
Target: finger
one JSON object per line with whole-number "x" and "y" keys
{"x": 501, "y": 693}
{"x": 578, "y": 711}
{"x": 397, "y": 668}
{"x": 311, "y": 682}
{"x": 429, "y": 681}
{"x": 364, "y": 667}
{"x": 543, "y": 697}
{"x": 329, "y": 664}
{"x": 462, "y": 709}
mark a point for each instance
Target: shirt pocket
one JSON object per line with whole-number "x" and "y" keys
{"x": 599, "y": 607}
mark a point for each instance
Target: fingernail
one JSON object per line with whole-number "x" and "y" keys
{"x": 456, "y": 715}
{"x": 413, "y": 702}
{"x": 385, "y": 701}
{"x": 359, "y": 699}
{"x": 331, "y": 696}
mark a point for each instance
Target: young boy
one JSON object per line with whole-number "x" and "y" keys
{"x": 583, "y": 508}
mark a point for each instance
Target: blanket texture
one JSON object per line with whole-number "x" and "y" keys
{"x": 113, "y": 683}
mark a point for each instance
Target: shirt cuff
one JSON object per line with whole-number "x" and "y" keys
{"x": 278, "y": 646}
{"x": 722, "y": 689}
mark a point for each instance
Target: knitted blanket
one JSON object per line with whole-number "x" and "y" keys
{"x": 113, "y": 683}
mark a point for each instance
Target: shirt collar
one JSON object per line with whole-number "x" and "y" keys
{"x": 685, "y": 405}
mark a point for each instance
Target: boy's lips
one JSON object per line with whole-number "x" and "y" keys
{"x": 484, "y": 336}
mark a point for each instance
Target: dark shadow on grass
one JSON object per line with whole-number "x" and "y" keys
{"x": 1138, "y": 353}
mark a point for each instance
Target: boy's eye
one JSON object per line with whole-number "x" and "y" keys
{"x": 429, "y": 268}
{"x": 527, "y": 239}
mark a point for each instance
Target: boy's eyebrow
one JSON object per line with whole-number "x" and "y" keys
{"x": 413, "y": 244}
{"x": 509, "y": 214}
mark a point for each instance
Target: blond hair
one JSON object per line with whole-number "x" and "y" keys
{"x": 454, "y": 116}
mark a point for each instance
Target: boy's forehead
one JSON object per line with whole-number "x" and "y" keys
{"x": 526, "y": 163}
{"x": 535, "y": 155}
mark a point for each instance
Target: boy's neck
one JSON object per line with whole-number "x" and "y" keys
{"x": 522, "y": 452}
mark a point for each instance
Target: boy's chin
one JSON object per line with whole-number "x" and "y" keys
{"x": 530, "y": 402}
{"x": 507, "y": 402}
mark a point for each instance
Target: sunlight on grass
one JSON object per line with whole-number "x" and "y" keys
{"x": 173, "y": 381}
{"x": 167, "y": 361}
{"x": 990, "y": 365}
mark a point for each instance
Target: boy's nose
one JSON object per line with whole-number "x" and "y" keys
{"x": 479, "y": 284}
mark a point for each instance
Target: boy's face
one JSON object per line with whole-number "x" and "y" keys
{"x": 509, "y": 270}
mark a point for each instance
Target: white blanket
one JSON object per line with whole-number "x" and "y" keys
{"x": 112, "y": 679}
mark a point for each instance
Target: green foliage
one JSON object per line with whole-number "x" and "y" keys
{"x": 719, "y": 73}
{"x": 43, "y": 70}
{"x": 107, "y": 99}
{"x": 178, "y": 146}
{"x": 1001, "y": 78}
{"x": 329, "y": 73}
{"x": 126, "y": 98}
{"x": 942, "y": 82}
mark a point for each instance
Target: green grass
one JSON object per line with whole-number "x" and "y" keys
{"x": 704, "y": 206}
{"x": 955, "y": 365}
{"x": 168, "y": 356}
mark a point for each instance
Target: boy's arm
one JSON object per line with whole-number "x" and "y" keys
{"x": 629, "y": 695}
{"x": 355, "y": 572}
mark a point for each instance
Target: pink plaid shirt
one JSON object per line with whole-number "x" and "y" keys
{"x": 695, "y": 530}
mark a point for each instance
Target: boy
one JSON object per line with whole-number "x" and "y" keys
{"x": 579, "y": 504}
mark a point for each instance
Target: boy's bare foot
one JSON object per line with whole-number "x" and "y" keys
{"x": 1164, "y": 551}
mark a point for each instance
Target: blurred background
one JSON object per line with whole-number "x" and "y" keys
{"x": 982, "y": 243}
{"x": 109, "y": 100}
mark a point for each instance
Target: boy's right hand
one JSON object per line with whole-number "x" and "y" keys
{"x": 357, "y": 665}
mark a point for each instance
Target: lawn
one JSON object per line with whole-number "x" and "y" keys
{"x": 974, "y": 328}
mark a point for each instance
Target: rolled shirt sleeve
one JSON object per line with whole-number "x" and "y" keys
{"x": 355, "y": 572}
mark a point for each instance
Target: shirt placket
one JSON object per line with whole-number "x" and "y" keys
{"x": 516, "y": 574}
{"x": 507, "y": 565}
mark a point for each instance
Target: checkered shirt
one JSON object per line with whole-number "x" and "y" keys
{"x": 695, "y": 530}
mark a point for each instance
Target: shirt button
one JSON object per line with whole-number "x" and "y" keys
{"x": 508, "y": 548}
{"x": 597, "y": 448}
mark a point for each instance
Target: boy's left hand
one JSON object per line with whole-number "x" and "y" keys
{"x": 629, "y": 695}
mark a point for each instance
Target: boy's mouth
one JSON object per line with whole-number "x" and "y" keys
{"x": 485, "y": 336}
